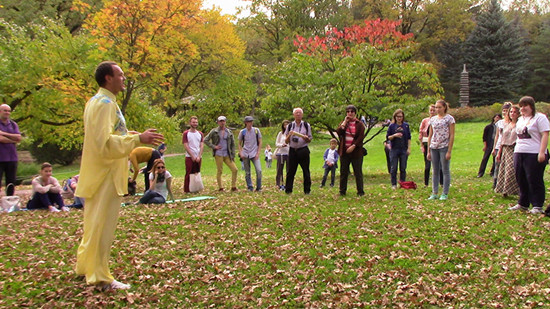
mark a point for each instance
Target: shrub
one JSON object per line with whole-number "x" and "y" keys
{"x": 50, "y": 152}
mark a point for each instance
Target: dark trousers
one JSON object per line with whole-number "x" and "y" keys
{"x": 530, "y": 178}
{"x": 357, "y": 164}
{"x": 297, "y": 157}
{"x": 398, "y": 157}
{"x": 388, "y": 159}
{"x": 10, "y": 169}
{"x": 281, "y": 160}
{"x": 155, "y": 155}
{"x": 332, "y": 171}
{"x": 484, "y": 161}
{"x": 191, "y": 167}
{"x": 43, "y": 200}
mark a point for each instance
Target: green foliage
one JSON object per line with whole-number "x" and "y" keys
{"x": 376, "y": 81}
{"x": 47, "y": 93}
{"x": 26, "y": 12}
{"x": 496, "y": 58}
{"x": 140, "y": 115}
{"x": 231, "y": 97}
{"x": 50, "y": 152}
{"x": 540, "y": 65}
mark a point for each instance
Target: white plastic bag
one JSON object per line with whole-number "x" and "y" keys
{"x": 11, "y": 203}
{"x": 195, "y": 182}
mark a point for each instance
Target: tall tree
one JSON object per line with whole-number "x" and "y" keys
{"x": 273, "y": 24}
{"x": 29, "y": 12}
{"x": 496, "y": 57}
{"x": 369, "y": 66}
{"x": 539, "y": 67}
{"x": 431, "y": 21}
{"x": 144, "y": 36}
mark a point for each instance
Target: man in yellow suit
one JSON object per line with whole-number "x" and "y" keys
{"x": 104, "y": 174}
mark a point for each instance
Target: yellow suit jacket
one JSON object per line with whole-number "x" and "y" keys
{"x": 107, "y": 145}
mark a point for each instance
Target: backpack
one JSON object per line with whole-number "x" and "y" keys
{"x": 293, "y": 124}
{"x": 256, "y": 131}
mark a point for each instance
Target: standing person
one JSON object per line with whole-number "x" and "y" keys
{"x": 331, "y": 162}
{"x": 298, "y": 136}
{"x": 281, "y": 155}
{"x": 506, "y": 180}
{"x": 399, "y": 135}
{"x": 441, "y": 140}
{"x": 250, "y": 143}
{"x": 424, "y": 132}
{"x": 46, "y": 191}
{"x": 162, "y": 149}
{"x": 351, "y": 133}
{"x": 489, "y": 134}
{"x": 221, "y": 141}
{"x": 193, "y": 141}
{"x": 268, "y": 156}
{"x": 9, "y": 136}
{"x": 500, "y": 126}
{"x": 104, "y": 174}
{"x": 143, "y": 154}
{"x": 160, "y": 187}
{"x": 531, "y": 156}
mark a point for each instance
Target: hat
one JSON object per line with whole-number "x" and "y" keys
{"x": 248, "y": 118}
{"x": 222, "y": 118}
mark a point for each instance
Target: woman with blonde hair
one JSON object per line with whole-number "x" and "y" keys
{"x": 506, "y": 182}
{"x": 160, "y": 185}
{"x": 441, "y": 140}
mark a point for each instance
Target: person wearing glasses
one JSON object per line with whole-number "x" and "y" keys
{"x": 160, "y": 185}
{"x": 351, "y": 133}
{"x": 531, "y": 156}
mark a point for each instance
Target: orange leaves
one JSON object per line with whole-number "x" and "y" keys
{"x": 379, "y": 33}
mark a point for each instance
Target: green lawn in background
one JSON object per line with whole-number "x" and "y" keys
{"x": 390, "y": 248}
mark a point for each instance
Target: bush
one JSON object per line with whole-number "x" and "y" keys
{"x": 53, "y": 153}
{"x": 476, "y": 114}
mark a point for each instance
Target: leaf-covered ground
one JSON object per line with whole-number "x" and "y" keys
{"x": 244, "y": 249}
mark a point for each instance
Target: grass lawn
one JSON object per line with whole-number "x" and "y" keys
{"x": 386, "y": 249}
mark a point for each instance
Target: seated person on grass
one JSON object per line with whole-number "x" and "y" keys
{"x": 160, "y": 185}
{"x": 46, "y": 191}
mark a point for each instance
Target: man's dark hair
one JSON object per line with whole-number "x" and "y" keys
{"x": 103, "y": 69}
{"x": 351, "y": 108}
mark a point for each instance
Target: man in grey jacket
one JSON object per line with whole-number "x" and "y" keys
{"x": 222, "y": 142}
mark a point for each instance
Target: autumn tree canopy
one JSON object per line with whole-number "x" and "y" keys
{"x": 368, "y": 66}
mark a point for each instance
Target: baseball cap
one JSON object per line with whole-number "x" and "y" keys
{"x": 248, "y": 118}
{"x": 222, "y": 118}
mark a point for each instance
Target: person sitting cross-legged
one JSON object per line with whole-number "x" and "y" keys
{"x": 46, "y": 191}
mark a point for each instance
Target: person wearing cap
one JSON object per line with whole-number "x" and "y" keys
{"x": 222, "y": 142}
{"x": 250, "y": 143}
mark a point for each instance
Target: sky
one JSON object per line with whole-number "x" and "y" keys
{"x": 227, "y": 6}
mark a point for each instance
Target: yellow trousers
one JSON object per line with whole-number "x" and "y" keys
{"x": 219, "y": 164}
{"x": 101, "y": 214}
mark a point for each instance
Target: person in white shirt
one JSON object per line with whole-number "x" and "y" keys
{"x": 160, "y": 185}
{"x": 193, "y": 141}
{"x": 531, "y": 156}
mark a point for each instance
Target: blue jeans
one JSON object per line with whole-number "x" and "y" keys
{"x": 398, "y": 156}
{"x": 152, "y": 197}
{"x": 258, "y": 165}
{"x": 439, "y": 162}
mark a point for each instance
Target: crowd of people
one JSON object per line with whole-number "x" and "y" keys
{"x": 518, "y": 142}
